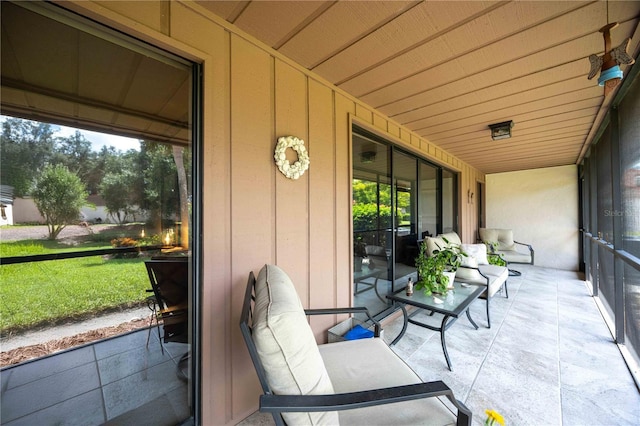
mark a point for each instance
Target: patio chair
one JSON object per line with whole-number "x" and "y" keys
{"x": 475, "y": 267}
{"x": 353, "y": 382}
{"x": 169, "y": 303}
{"x": 510, "y": 250}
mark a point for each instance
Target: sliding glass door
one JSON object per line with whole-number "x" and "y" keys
{"x": 398, "y": 200}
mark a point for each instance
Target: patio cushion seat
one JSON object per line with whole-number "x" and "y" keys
{"x": 497, "y": 277}
{"x": 382, "y": 368}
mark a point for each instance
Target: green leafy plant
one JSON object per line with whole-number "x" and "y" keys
{"x": 492, "y": 256}
{"x": 492, "y": 246}
{"x": 431, "y": 269}
{"x": 496, "y": 259}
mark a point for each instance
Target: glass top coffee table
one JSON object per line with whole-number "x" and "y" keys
{"x": 453, "y": 305}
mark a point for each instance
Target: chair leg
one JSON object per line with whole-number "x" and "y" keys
{"x": 149, "y": 333}
{"x": 154, "y": 314}
{"x": 506, "y": 290}
{"x": 159, "y": 336}
{"x": 488, "y": 317}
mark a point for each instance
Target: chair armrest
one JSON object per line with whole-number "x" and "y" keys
{"x": 352, "y": 310}
{"x": 347, "y": 401}
{"x": 479, "y": 271}
{"x": 529, "y": 247}
{"x": 525, "y": 244}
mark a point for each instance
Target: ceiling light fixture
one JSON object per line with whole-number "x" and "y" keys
{"x": 501, "y": 130}
{"x": 368, "y": 157}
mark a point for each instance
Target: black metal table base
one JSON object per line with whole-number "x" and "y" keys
{"x": 447, "y": 322}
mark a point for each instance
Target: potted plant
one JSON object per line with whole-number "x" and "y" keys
{"x": 437, "y": 272}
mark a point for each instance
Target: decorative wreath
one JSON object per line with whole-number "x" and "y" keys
{"x": 297, "y": 169}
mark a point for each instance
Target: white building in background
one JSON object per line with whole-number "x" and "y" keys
{"x": 6, "y": 205}
{"x": 25, "y": 211}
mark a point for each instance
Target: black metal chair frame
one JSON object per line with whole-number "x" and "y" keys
{"x": 277, "y": 404}
{"x": 158, "y": 303}
{"x": 486, "y": 293}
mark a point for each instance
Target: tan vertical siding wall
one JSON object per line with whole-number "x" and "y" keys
{"x": 252, "y": 214}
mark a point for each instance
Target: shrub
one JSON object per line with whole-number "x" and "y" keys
{"x": 124, "y": 242}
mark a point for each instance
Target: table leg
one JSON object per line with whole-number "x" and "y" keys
{"x": 405, "y": 316}
{"x": 375, "y": 288}
{"x": 443, "y": 328}
{"x": 471, "y": 320}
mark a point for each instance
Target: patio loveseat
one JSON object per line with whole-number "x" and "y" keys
{"x": 475, "y": 268}
{"x": 353, "y": 382}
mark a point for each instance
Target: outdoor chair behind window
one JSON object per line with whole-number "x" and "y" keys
{"x": 169, "y": 283}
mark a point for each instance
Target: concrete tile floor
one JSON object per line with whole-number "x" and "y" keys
{"x": 117, "y": 381}
{"x": 548, "y": 358}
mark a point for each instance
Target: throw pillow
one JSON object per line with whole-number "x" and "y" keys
{"x": 478, "y": 251}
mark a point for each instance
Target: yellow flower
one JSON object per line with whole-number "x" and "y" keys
{"x": 492, "y": 417}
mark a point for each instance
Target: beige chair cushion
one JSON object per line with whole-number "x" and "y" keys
{"x": 286, "y": 345}
{"x": 515, "y": 256}
{"x": 434, "y": 243}
{"x": 504, "y": 237}
{"x": 497, "y": 277}
{"x": 452, "y": 237}
{"x": 382, "y": 368}
{"x": 438, "y": 242}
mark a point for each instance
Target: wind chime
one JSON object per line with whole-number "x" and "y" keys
{"x": 609, "y": 63}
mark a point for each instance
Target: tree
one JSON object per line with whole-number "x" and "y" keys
{"x": 25, "y": 147}
{"x": 76, "y": 153}
{"x": 184, "y": 194}
{"x": 59, "y": 194}
{"x": 116, "y": 192}
{"x": 161, "y": 195}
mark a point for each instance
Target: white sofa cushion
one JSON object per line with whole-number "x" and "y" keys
{"x": 464, "y": 274}
{"x": 286, "y": 345}
{"x": 383, "y": 368}
{"x": 477, "y": 251}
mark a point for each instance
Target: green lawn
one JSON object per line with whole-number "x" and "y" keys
{"x": 50, "y": 292}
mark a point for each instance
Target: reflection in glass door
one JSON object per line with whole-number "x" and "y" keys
{"x": 405, "y": 209}
{"x": 372, "y": 246}
{"x": 398, "y": 200}
{"x": 428, "y": 218}
{"x": 449, "y": 203}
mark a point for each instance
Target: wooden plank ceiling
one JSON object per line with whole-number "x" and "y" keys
{"x": 448, "y": 69}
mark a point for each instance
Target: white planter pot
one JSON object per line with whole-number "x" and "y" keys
{"x": 452, "y": 277}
